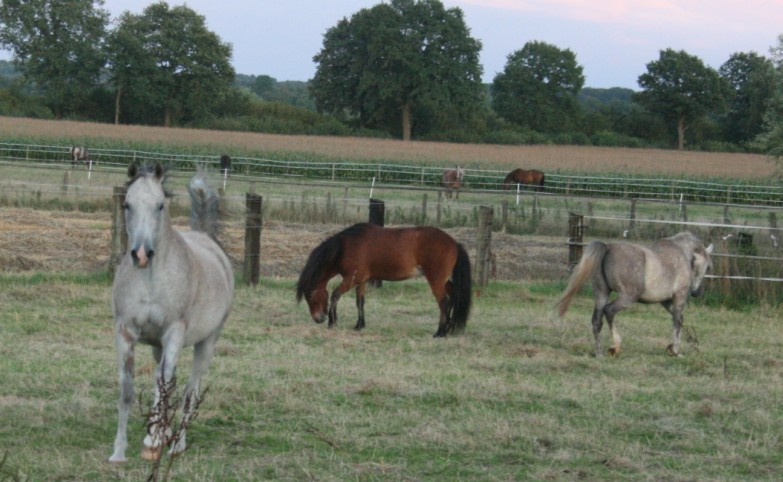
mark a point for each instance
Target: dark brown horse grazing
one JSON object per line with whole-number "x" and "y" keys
{"x": 532, "y": 177}
{"x": 365, "y": 252}
{"x": 452, "y": 181}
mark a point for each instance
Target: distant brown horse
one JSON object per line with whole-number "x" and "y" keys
{"x": 365, "y": 252}
{"x": 532, "y": 177}
{"x": 452, "y": 181}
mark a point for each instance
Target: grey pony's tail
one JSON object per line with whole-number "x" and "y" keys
{"x": 595, "y": 252}
{"x": 204, "y": 206}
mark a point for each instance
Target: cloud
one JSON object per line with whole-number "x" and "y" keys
{"x": 711, "y": 15}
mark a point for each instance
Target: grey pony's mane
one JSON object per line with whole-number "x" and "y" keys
{"x": 204, "y": 205}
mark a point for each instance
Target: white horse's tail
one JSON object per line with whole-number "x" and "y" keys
{"x": 595, "y": 252}
{"x": 204, "y": 206}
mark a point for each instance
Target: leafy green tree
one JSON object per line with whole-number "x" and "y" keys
{"x": 58, "y": 46}
{"x": 538, "y": 88}
{"x": 167, "y": 60}
{"x": 752, "y": 81}
{"x": 680, "y": 88}
{"x": 386, "y": 65}
{"x": 772, "y": 138}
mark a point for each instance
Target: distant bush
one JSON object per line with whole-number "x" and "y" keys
{"x": 613, "y": 139}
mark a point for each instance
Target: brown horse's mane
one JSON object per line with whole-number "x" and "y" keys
{"x": 324, "y": 257}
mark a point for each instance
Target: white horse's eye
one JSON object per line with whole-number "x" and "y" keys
{"x": 160, "y": 207}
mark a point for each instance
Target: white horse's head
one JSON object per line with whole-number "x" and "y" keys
{"x": 145, "y": 212}
{"x": 700, "y": 264}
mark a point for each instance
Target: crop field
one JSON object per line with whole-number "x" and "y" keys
{"x": 549, "y": 158}
{"x": 518, "y": 396}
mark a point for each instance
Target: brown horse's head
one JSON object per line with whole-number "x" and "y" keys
{"x": 318, "y": 302}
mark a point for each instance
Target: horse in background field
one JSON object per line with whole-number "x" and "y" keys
{"x": 665, "y": 273}
{"x": 225, "y": 165}
{"x": 452, "y": 181}
{"x": 532, "y": 177}
{"x": 172, "y": 289}
{"x": 366, "y": 252}
{"x": 79, "y": 154}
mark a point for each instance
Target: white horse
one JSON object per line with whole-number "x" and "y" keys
{"x": 666, "y": 273}
{"x": 79, "y": 153}
{"x": 172, "y": 289}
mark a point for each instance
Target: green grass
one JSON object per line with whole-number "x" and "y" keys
{"x": 517, "y": 397}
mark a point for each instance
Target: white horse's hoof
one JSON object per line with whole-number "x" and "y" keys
{"x": 151, "y": 453}
{"x": 114, "y": 459}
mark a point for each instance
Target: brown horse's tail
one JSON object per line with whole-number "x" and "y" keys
{"x": 595, "y": 252}
{"x": 541, "y": 186}
{"x": 460, "y": 299}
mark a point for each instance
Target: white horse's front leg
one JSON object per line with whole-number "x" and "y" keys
{"x": 124, "y": 342}
{"x": 675, "y": 307}
{"x": 158, "y": 426}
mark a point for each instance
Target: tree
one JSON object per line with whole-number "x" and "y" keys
{"x": 57, "y": 45}
{"x": 751, "y": 78}
{"x": 538, "y": 88}
{"x": 386, "y": 65}
{"x": 772, "y": 138}
{"x": 167, "y": 60}
{"x": 680, "y": 88}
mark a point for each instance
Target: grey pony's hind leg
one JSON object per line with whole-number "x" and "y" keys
{"x": 601, "y": 298}
{"x": 622, "y": 302}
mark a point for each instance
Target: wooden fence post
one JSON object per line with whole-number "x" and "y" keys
{"x": 67, "y": 182}
{"x": 504, "y": 215}
{"x": 377, "y": 211}
{"x": 253, "y": 222}
{"x": 424, "y": 208}
{"x": 484, "y": 246}
{"x": 632, "y": 218}
{"x": 377, "y": 216}
{"x": 576, "y": 230}
{"x": 437, "y": 214}
{"x": 119, "y": 235}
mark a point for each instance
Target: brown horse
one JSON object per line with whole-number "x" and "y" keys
{"x": 365, "y": 252}
{"x": 452, "y": 181}
{"x": 523, "y": 177}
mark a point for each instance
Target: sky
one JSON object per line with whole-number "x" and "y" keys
{"x": 613, "y": 40}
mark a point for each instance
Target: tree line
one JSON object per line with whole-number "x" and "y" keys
{"x": 405, "y": 69}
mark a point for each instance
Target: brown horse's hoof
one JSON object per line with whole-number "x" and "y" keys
{"x": 670, "y": 350}
{"x": 613, "y": 352}
{"x": 151, "y": 453}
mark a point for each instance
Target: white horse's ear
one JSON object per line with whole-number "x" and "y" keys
{"x": 158, "y": 171}
{"x": 709, "y": 248}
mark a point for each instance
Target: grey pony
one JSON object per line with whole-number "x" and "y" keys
{"x": 666, "y": 273}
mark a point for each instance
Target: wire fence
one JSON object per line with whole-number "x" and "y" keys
{"x": 738, "y": 192}
{"x": 299, "y": 211}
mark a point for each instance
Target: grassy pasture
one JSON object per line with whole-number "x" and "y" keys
{"x": 517, "y": 397}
